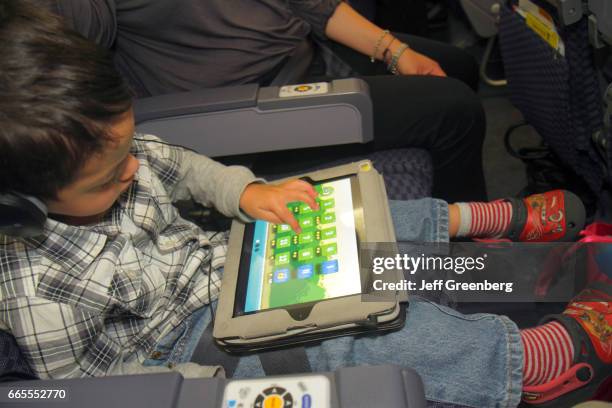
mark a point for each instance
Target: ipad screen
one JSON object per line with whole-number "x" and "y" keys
{"x": 321, "y": 262}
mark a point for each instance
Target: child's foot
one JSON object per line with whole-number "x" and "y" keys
{"x": 556, "y": 215}
{"x": 588, "y": 320}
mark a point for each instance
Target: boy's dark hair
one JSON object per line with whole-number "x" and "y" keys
{"x": 59, "y": 93}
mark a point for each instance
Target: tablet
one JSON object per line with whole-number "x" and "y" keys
{"x": 281, "y": 288}
{"x": 280, "y": 268}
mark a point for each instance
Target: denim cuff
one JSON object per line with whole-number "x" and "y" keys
{"x": 515, "y": 352}
{"x": 422, "y": 220}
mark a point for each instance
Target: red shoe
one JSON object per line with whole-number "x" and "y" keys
{"x": 588, "y": 320}
{"x": 557, "y": 215}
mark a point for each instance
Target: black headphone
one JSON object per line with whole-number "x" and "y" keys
{"x": 21, "y": 215}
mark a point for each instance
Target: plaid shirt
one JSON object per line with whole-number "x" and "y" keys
{"x": 80, "y": 299}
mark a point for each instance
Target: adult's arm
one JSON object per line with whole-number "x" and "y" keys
{"x": 94, "y": 19}
{"x": 314, "y": 12}
{"x": 349, "y": 28}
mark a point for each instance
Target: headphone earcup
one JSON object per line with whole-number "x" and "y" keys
{"x": 21, "y": 215}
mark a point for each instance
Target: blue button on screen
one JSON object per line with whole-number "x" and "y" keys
{"x": 281, "y": 275}
{"x": 305, "y": 271}
{"x": 329, "y": 267}
{"x": 306, "y": 401}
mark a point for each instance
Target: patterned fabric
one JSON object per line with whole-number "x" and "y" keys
{"x": 408, "y": 173}
{"x": 78, "y": 299}
{"x": 484, "y": 219}
{"x": 549, "y": 352}
{"x": 559, "y": 96}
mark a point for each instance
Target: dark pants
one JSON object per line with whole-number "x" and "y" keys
{"x": 441, "y": 115}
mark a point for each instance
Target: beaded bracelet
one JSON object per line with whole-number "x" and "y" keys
{"x": 384, "y": 34}
{"x": 392, "y": 67}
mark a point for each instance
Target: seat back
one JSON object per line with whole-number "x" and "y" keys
{"x": 483, "y": 15}
{"x": 557, "y": 90}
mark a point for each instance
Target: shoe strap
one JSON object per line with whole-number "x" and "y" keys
{"x": 519, "y": 218}
{"x": 576, "y": 377}
{"x": 586, "y": 365}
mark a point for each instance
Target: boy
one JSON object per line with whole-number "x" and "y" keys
{"x": 119, "y": 283}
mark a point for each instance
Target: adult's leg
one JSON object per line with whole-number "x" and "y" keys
{"x": 454, "y": 61}
{"x": 442, "y": 115}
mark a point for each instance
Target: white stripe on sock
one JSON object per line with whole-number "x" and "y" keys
{"x": 465, "y": 219}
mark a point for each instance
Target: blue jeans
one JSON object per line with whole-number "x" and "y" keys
{"x": 472, "y": 360}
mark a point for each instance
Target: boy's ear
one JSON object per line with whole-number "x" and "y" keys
{"x": 21, "y": 215}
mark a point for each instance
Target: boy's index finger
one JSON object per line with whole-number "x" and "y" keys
{"x": 304, "y": 197}
{"x": 311, "y": 201}
{"x": 287, "y": 217}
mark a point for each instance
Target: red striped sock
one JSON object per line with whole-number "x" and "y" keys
{"x": 484, "y": 220}
{"x": 548, "y": 352}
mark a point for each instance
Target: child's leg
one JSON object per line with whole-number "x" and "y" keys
{"x": 473, "y": 360}
{"x": 569, "y": 359}
{"x": 553, "y": 216}
{"x": 423, "y": 220}
{"x": 483, "y": 360}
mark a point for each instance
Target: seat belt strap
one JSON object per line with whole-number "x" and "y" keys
{"x": 207, "y": 352}
{"x": 285, "y": 361}
{"x": 274, "y": 362}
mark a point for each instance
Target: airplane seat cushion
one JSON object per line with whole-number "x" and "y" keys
{"x": 13, "y": 365}
{"x": 408, "y": 173}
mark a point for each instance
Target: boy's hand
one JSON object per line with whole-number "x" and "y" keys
{"x": 269, "y": 202}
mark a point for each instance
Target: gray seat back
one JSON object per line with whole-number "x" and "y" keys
{"x": 483, "y": 15}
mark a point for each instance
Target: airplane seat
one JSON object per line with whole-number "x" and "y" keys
{"x": 555, "y": 83}
{"x": 13, "y": 366}
{"x": 355, "y": 387}
{"x": 484, "y": 16}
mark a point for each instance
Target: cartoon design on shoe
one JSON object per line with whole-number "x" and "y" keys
{"x": 556, "y": 215}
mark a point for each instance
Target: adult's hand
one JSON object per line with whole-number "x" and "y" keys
{"x": 413, "y": 63}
